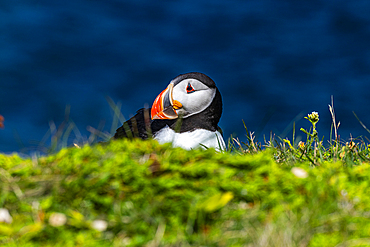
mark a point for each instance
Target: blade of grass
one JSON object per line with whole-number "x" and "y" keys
{"x": 362, "y": 124}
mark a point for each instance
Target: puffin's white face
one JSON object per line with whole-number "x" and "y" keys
{"x": 186, "y": 98}
{"x": 193, "y": 95}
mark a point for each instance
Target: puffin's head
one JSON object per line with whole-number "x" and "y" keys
{"x": 186, "y": 95}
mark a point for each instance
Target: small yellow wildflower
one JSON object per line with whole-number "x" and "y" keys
{"x": 313, "y": 117}
{"x": 301, "y": 145}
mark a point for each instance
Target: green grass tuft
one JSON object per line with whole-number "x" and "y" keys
{"x": 156, "y": 195}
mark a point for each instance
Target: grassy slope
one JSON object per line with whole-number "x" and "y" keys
{"x": 156, "y": 195}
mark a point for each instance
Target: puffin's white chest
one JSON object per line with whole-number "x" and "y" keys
{"x": 192, "y": 139}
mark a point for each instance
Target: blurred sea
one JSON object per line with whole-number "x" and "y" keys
{"x": 273, "y": 61}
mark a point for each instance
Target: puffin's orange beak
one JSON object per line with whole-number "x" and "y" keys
{"x": 164, "y": 105}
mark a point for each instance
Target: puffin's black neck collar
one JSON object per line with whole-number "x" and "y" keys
{"x": 207, "y": 119}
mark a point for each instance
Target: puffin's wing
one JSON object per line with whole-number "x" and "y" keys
{"x": 137, "y": 126}
{"x": 141, "y": 126}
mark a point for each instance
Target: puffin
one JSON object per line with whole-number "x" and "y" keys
{"x": 185, "y": 114}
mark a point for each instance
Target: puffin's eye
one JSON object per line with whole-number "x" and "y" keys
{"x": 189, "y": 88}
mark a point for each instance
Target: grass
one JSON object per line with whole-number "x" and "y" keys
{"x": 156, "y": 195}
{"x": 140, "y": 193}
{"x": 313, "y": 150}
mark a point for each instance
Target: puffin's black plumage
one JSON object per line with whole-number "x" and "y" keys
{"x": 141, "y": 125}
{"x": 206, "y": 80}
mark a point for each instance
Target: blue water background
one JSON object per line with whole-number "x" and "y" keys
{"x": 273, "y": 61}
